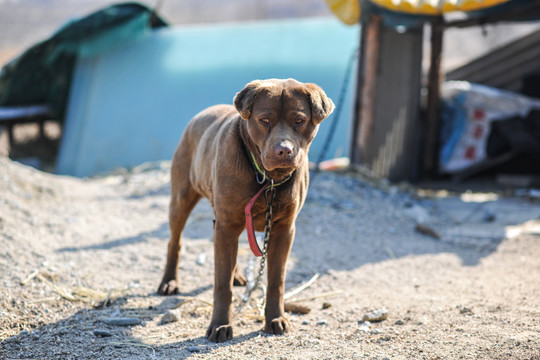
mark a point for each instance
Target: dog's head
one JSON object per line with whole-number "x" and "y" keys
{"x": 283, "y": 117}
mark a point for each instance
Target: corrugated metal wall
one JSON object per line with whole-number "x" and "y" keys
{"x": 387, "y": 137}
{"x": 505, "y": 67}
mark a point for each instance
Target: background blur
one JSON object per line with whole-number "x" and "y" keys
{"x": 24, "y": 22}
{"x": 149, "y": 89}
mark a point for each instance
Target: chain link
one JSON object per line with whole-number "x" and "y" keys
{"x": 266, "y": 241}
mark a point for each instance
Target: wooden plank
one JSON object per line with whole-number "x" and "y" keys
{"x": 369, "y": 48}
{"x": 433, "y": 102}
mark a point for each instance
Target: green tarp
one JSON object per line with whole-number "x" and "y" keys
{"x": 42, "y": 74}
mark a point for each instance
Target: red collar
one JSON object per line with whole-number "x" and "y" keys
{"x": 249, "y": 223}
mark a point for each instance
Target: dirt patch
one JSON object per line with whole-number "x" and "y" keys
{"x": 81, "y": 260}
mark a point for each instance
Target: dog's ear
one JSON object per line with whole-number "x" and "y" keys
{"x": 243, "y": 101}
{"x": 321, "y": 105}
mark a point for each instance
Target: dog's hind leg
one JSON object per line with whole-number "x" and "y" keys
{"x": 239, "y": 278}
{"x": 183, "y": 200}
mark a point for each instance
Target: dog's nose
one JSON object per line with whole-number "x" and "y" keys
{"x": 284, "y": 150}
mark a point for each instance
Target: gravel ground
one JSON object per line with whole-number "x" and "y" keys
{"x": 452, "y": 276}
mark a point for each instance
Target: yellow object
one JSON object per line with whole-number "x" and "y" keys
{"x": 347, "y": 11}
{"x": 435, "y": 7}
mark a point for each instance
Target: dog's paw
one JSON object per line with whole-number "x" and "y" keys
{"x": 278, "y": 326}
{"x": 239, "y": 279}
{"x": 168, "y": 288}
{"x": 219, "y": 333}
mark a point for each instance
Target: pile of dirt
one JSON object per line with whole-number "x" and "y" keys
{"x": 448, "y": 277}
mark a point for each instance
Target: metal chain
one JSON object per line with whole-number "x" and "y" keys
{"x": 266, "y": 241}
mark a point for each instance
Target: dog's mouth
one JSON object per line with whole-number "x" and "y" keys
{"x": 279, "y": 173}
{"x": 270, "y": 165}
{"x": 281, "y": 167}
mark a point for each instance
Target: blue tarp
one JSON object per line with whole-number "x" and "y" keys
{"x": 130, "y": 105}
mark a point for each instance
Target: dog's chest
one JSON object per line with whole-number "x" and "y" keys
{"x": 281, "y": 208}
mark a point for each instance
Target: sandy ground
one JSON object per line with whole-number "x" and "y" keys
{"x": 79, "y": 256}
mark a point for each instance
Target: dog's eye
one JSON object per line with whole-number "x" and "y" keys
{"x": 265, "y": 121}
{"x": 299, "y": 121}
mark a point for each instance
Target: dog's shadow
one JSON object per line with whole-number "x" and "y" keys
{"x": 103, "y": 340}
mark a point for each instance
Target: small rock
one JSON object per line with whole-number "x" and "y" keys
{"x": 122, "y": 321}
{"x": 399, "y": 322}
{"x": 364, "y": 326}
{"x": 425, "y": 229}
{"x": 170, "y": 303}
{"x": 116, "y": 314}
{"x": 488, "y": 216}
{"x": 321, "y": 322}
{"x": 102, "y": 333}
{"x": 376, "y": 315}
{"x": 170, "y": 316}
{"x": 201, "y": 259}
{"x": 305, "y": 322}
{"x": 376, "y": 331}
{"x": 326, "y": 305}
{"x": 296, "y": 308}
{"x": 195, "y": 349}
{"x": 12, "y": 339}
{"x": 417, "y": 212}
{"x": 62, "y": 331}
{"x": 465, "y": 310}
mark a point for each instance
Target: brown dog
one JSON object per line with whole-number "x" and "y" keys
{"x": 275, "y": 120}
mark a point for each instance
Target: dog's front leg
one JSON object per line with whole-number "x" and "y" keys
{"x": 225, "y": 250}
{"x": 281, "y": 240}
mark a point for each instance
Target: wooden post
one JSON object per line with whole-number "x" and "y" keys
{"x": 431, "y": 158}
{"x": 367, "y": 79}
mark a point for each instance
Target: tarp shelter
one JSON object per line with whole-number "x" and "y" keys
{"x": 42, "y": 74}
{"x": 129, "y": 104}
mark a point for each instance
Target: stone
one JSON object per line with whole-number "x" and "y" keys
{"x": 426, "y": 229}
{"x": 326, "y": 305}
{"x": 170, "y": 316}
{"x": 201, "y": 259}
{"x": 195, "y": 349}
{"x": 364, "y": 327}
{"x": 418, "y": 213}
{"x": 465, "y": 310}
{"x": 376, "y": 315}
{"x": 102, "y": 333}
{"x": 121, "y": 321}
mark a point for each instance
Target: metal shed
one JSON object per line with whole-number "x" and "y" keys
{"x": 391, "y": 136}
